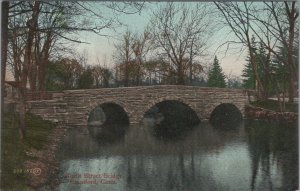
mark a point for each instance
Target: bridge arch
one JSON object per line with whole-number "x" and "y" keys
{"x": 73, "y": 106}
{"x": 155, "y": 102}
{"x": 226, "y": 115}
{"x": 116, "y": 103}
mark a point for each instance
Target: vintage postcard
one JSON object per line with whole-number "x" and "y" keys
{"x": 147, "y": 95}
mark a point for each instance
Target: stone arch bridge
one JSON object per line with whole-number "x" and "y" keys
{"x": 72, "y": 107}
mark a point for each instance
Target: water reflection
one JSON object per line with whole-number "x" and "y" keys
{"x": 273, "y": 143}
{"x": 166, "y": 131}
{"x": 255, "y": 156}
{"x": 107, "y": 123}
{"x": 108, "y": 134}
{"x": 172, "y": 120}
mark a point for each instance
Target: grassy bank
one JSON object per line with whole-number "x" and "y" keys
{"x": 274, "y": 105}
{"x": 13, "y": 175}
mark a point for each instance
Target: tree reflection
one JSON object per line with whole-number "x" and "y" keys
{"x": 170, "y": 173}
{"x": 269, "y": 142}
{"x": 196, "y": 162}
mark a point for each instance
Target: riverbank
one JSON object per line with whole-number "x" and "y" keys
{"x": 271, "y": 104}
{"x": 28, "y": 164}
{"x": 45, "y": 160}
{"x": 254, "y": 112}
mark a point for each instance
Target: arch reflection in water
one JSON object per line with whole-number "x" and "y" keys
{"x": 257, "y": 156}
{"x": 171, "y": 119}
{"x": 226, "y": 116}
{"x": 107, "y": 123}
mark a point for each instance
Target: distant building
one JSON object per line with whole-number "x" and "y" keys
{"x": 10, "y": 96}
{"x": 10, "y": 91}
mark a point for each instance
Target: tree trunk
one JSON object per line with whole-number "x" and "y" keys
{"x": 44, "y": 62}
{"x": 126, "y": 74}
{"x": 22, "y": 114}
{"x": 292, "y": 91}
{"x": 32, "y": 23}
{"x": 28, "y": 58}
{"x": 260, "y": 88}
{"x": 191, "y": 73}
{"x": 293, "y": 71}
{"x": 191, "y": 63}
{"x": 4, "y": 36}
{"x": 138, "y": 76}
{"x": 4, "y": 44}
{"x": 32, "y": 75}
{"x": 180, "y": 75}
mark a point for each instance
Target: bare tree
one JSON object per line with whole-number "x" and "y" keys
{"x": 4, "y": 38}
{"x": 180, "y": 32}
{"x": 155, "y": 71}
{"x": 141, "y": 47}
{"x": 31, "y": 24}
{"x": 60, "y": 22}
{"x": 35, "y": 27}
{"x": 4, "y": 47}
{"x": 282, "y": 27}
{"x": 274, "y": 24}
{"x": 124, "y": 55}
{"x": 239, "y": 23}
{"x": 102, "y": 75}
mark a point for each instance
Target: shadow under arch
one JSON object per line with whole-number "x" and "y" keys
{"x": 226, "y": 116}
{"x": 104, "y": 103}
{"x": 165, "y": 99}
{"x": 172, "y": 119}
{"x": 108, "y": 122}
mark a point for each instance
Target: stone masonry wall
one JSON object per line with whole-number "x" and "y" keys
{"x": 73, "y": 109}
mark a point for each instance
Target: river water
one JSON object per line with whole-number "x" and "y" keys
{"x": 256, "y": 155}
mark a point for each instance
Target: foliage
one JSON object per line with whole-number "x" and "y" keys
{"x": 261, "y": 62}
{"x": 130, "y": 55}
{"x": 55, "y": 77}
{"x": 86, "y": 80}
{"x": 101, "y": 76}
{"x": 216, "y": 78}
{"x": 280, "y": 70}
{"x": 63, "y": 74}
{"x": 248, "y": 77}
{"x": 69, "y": 74}
{"x": 264, "y": 69}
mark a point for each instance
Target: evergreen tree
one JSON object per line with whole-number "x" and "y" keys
{"x": 216, "y": 78}
{"x": 264, "y": 69}
{"x": 280, "y": 70}
{"x": 248, "y": 77}
{"x": 262, "y": 66}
